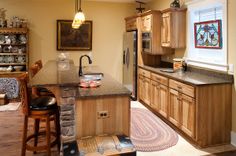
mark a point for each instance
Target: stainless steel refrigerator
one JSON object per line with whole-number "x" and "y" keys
{"x": 130, "y": 62}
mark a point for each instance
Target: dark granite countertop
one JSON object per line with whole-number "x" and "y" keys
{"x": 65, "y": 74}
{"x": 194, "y": 77}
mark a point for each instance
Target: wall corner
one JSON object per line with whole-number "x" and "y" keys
{"x": 233, "y": 138}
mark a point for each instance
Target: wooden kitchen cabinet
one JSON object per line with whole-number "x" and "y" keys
{"x": 146, "y": 22}
{"x": 151, "y": 33}
{"x": 144, "y": 86}
{"x": 131, "y": 23}
{"x": 188, "y": 115}
{"x": 174, "y": 107}
{"x": 159, "y": 94}
{"x": 182, "y": 106}
{"x": 173, "y": 28}
{"x": 201, "y": 112}
{"x": 155, "y": 95}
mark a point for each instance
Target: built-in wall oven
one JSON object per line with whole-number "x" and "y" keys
{"x": 147, "y": 41}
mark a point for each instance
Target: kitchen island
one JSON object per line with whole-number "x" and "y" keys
{"x": 85, "y": 111}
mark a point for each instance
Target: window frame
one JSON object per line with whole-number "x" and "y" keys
{"x": 193, "y": 6}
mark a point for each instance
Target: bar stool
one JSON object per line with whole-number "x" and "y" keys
{"x": 40, "y": 108}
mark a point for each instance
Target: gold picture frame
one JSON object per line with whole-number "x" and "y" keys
{"x": 74, "y": 39}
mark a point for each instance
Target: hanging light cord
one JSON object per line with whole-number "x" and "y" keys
{"x": 80, "y": 6}
{"x": 76, "y": 6}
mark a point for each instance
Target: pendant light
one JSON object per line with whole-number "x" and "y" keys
{"x": 79, "y": 16}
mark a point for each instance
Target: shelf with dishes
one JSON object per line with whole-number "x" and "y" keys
{"x": 13, "y": 50}
{"x": 12, "y": 53}
{"x": 13, "y": 67}
{"x": 13, "y": 30}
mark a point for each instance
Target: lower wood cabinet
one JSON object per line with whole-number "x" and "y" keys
{"x": 159, "y": 98}
{"x": 144, "y": 89}
{"x": 188, "y": 120}
{"x": 202, "y": 112}
{"x": 174, "y": 107}
{"x": 155, "y": 95}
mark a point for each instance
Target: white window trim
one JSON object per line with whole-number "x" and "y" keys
{"x": 193, "y": 5}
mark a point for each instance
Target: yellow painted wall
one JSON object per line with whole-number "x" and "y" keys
{"x": 161, "y": 5}
{"x": 108, "y": 28}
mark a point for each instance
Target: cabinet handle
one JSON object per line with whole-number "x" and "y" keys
{"x": 179, "y": 87}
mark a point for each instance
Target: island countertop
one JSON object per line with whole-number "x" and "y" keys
{"x": 65, "y": 74}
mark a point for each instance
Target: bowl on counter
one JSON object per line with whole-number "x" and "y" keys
{"x": 18, "y": 68}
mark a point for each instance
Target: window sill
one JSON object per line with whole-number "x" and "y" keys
{"x": 218, "y": 67}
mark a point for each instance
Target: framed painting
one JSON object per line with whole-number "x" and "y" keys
{"x": 208, "y": 34}
{"x": 74, "y": 39}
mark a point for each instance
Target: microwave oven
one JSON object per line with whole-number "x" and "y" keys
{"x": 147, "y": 42}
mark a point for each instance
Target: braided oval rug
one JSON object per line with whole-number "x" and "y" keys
{"x": 149, "y": 133}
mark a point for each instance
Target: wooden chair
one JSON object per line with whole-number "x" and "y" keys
{"x": 39, "y": 91}
{"x": 40, "y": 108}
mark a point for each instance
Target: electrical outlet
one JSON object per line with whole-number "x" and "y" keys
{"x": 102, "y": 114}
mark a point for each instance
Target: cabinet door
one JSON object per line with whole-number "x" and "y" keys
{"x": 166, "y": 30}
{"x": 155, "y": 95}
{"x": 131, "y": 24}
{"x": 147, "y": 90}
{"x": 163, "y": 109}
{"x": 140, "y": 86}
{"x": 174, "y": 107}
{"x": 188, "y": 115}
{"x": 146, "y": 23}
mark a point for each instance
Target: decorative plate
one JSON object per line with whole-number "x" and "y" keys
{"x": 14, "y": 49}
{"x": 9, "y": 59}
{"x": 21, "y": 49}
{"x": 2, "y": 39}
{"x": 1, "y": 59}
{"x": 13, "y": 39}
{"x": 6, "y": 49}
{"x": 20, "y": 59}
{"x": 23, "y": 39}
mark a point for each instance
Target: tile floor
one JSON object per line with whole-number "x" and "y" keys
{"x": 182, "y": 148}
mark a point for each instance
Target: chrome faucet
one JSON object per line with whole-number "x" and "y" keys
{"x": 80, "y": 63}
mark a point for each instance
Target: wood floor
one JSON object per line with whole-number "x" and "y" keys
{"x": 11, "y": 124}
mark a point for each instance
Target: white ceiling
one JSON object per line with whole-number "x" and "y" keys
{"x": 121, "y": 1}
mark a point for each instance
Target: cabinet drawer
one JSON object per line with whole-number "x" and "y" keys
{"x": 183, "y": 88}
{"x": 145, "y": 73}
{"x": 159, "y": 78}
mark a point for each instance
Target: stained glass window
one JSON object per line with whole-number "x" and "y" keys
{"x": 208, "y": 34}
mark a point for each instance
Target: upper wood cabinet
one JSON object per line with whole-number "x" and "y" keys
{"x": 173, "y": 28}
{"x": 146, "y": 22}
{"x": 131, "y": 23}
{"x": 151, "y": 33}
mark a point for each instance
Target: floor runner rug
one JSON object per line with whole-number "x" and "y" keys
{"x": 149, "y": 133}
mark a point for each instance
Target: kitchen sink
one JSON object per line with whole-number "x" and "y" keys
{"x": 92, "y": 76}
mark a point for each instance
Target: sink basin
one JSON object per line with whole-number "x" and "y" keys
{"x": 90, "y": 80}
{"x": 92, "y": 76}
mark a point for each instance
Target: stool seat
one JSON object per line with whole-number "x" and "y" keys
{"x": 44, "y": 91}
{"x": 43, "y": 103}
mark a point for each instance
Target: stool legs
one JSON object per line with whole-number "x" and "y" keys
{"x": 36, "y": 132}
{"x": 58, "y": 130}
{"x": 48, "y": 136}
{"x": 23, "y": 150}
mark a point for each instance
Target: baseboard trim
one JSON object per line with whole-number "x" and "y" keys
{"x": 233, "y": 138}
